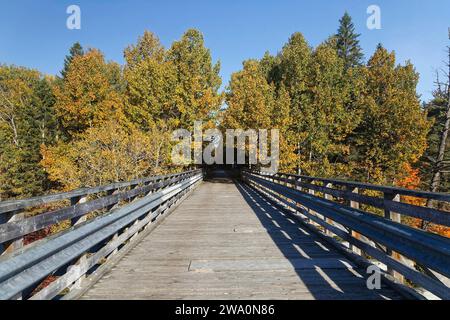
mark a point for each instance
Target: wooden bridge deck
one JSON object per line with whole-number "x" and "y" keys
{"x": 226, "y": 242}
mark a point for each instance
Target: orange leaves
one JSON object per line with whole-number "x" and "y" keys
{"x": 410, "y": 179}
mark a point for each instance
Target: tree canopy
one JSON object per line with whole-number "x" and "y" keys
{"x": 101, "y": 122}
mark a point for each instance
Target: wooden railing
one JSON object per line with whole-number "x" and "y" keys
{"x": 97, "y": 226}
{"x": 345, "y": 213}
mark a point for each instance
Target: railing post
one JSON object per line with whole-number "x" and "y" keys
{"x": 110, "y": 193}
{"x": 312, "y": 192}
{"x": 354, "y": 205}
{"x": 328, "y": 197}
{"x": 132, "y": 187}
{"x": 74, "y": 222}
{"x": 397, "y": 218}
{"x": 74, "y": 201}
{"x": 15, "y": 244}
{"x": 299, "y": 181}
{"x": 109, "y": 208}
{"x": 297, "y": 187}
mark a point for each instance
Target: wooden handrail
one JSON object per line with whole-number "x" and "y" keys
{"x": 70, "y": 254}
{"x": 14, "y": 205}
{"x": 367, "y": 186}
{"x": 384, "y": 238}
{"x": 430, "y": 214}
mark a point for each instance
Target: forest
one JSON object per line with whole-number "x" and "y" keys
{"x": 340, "y": 113}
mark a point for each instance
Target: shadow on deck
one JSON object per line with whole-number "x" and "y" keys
{"x": 323, "y": 270}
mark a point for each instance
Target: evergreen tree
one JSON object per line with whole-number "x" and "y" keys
{"x": 75, "y": 50}
{"x": 27, "y": 121}
{"x": 347, "y": 43}
{"x": 45, "y": 115}
{"x": 270, "y": 65}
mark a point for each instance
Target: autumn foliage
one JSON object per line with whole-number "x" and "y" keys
{"x": 99, "y": 122}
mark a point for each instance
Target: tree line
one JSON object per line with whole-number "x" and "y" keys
{"x": 97, "y": 122}
{"x": 339, "y": 116}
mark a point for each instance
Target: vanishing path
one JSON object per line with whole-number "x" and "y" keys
{"x": 226, "y": 242}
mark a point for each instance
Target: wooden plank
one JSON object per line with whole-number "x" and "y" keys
{"x": 260, "y": 254}
{"x": 268, "y": 264}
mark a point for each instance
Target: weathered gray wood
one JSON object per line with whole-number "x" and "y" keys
{"x": 77, "y": 209}
{"x": 268, "y": 264}
{"x": 402, "y": 191}
{"x": 416, "y": 243}
{"x": 251, "y": 248}
{"x": 13, "y": 205}
{"x": 80, "y": 270}
{"x": 355, "y": 205}
{"x": 16, "y": 242}
{"x": 222, "y": 240}
{"x": 420, "y": 212}
{"x": 427, "y": 248}
{"x": 415, "y": 276}
{"x": 388, "y": 214}
{"x": 22, "y": 270}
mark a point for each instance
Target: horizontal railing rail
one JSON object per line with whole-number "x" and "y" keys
{"x": 420, "y": 256}
{"x": 14, "y": 205}
{"x": 16, "y": 220}
{"x": 368, "y": 186}
{"x": 60, "y": 262}
{"x": 352, "y": 192}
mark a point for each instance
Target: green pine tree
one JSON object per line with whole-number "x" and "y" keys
{"x": 347, "y": 43}
{"x": 27, "y": 121}
{"x": 75, "y": 50}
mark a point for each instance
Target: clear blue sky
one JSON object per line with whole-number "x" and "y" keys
{"x": 34, "y": 33}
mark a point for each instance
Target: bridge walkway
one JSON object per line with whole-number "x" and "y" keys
{"x": 226, "y": 242}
